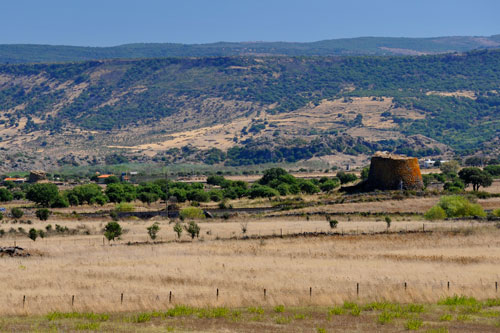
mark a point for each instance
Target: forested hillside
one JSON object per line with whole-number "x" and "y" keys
{"x": 26, "y": 53}
{"x": 453, "y": 99}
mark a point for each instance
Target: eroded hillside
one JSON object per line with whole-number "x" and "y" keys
{"x": 247, "y": 110}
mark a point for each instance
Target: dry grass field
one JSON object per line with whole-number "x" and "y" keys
{"x": 300, "y": 262}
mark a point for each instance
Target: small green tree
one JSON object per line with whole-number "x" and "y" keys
{"x": 43, "y": 214}
{"x": 153, "y": 230}
{"x": 41, "y": 233}
{"x": 33, "y": 234}
{"x": 5, "y": 195}
{"x": 476, "y": 177}
{"x": 112, "y": 230}
{"x": 42, "y": 194}
{"x": 17, "y": 213}
{"x": 450, "y": 167}
{"x": 388, "y": 221}
{"x": 148, "y": 197}
{"x": 193, "y": 229}
{"x": 332, "y": 223}
{"x": 178, "y": 229}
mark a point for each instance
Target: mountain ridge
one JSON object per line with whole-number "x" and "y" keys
{"x": 33, "y": 53}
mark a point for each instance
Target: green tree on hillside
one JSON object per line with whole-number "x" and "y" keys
{"x": 476, "y": 177}
{"x": 43, "y": 194}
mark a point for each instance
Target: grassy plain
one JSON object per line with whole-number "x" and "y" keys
{"x": 293, "y": 258}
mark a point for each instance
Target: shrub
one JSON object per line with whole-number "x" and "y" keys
{"x": 332, "y": 223}
{"x": 43, "y": 214}
{"x": 262, "y": 191}
{"x": 388, "y": 221}
{"x": 435, "y": 213}
{"x": 178, "y": 229}
{"x": 199, "y": 196}
{"x": 308, "y": 187}
{"x": 112, "y": 230}
{"x": 148, "y": 197}
{"x": 5, "y": 195}
{"x": 493, "y": 170}
{"x": 124, "y": 207}
{"x": 191, "y": 213}
{"x": 458, "y": 206}
{"x": 449, "y": 167}
{"x": 33, "y": 234}
{"x": 153, "y": 230}
{"x": 413, "y": 324}
{"x": 117, "y": 192}
{"x": 59, "y": 202}
{"x": 346, "y": 177}
{"x": 329, "y": 185}
{"x": 496, "y": 212}
{"x": 193, "y": 229}
{"x": 17, "y": 213}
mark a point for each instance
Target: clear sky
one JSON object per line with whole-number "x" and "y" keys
{"x": 114, "y": 22}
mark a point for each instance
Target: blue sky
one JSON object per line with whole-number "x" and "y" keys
{"x": 113, "y": 22}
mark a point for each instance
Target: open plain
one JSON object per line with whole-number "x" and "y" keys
{"x": 298, "y": 262}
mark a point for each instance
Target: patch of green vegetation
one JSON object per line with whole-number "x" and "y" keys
{"x": 142, "y": 318}
{"x": 279, "y": 309}
{"x": 446, "y": 317}
{"x": 219, "y": 312}
{"x": 385, "y": 318}
{"x": 413, "y": 324}
{"x": 283, "y": 320}
{"x": 437, "y": 330}
{"x": 88, "y": 326}
{"x": 456, "y": 300}
{"x": 257, "y": 310}
{"x": 77, "y": 315}
{"x": 336, "y": 311}
{"x": 180, "y": 311}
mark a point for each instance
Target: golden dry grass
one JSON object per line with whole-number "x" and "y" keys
{"x": 96, "y": 275}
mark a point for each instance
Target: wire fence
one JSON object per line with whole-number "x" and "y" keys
{"x": 352, "y": 291}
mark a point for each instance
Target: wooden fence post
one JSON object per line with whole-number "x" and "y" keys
{"x": 448, "y": 285}
{"x": 310, "y": 292}
{"x": 24, "y": 300}
{"x": 170, "y": 297}
{"x": 405, "y": 285}
{"x": 217, "y": 293}
{"x": 264, "y": 293}
{"x": 357, "y": 288}
{"x": 72, "y": 300}
{"x": 121, "y": 298}
{"x": 496, "y": 286}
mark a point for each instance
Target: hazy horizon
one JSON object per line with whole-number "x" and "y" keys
{"x": 113, "y": 23}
